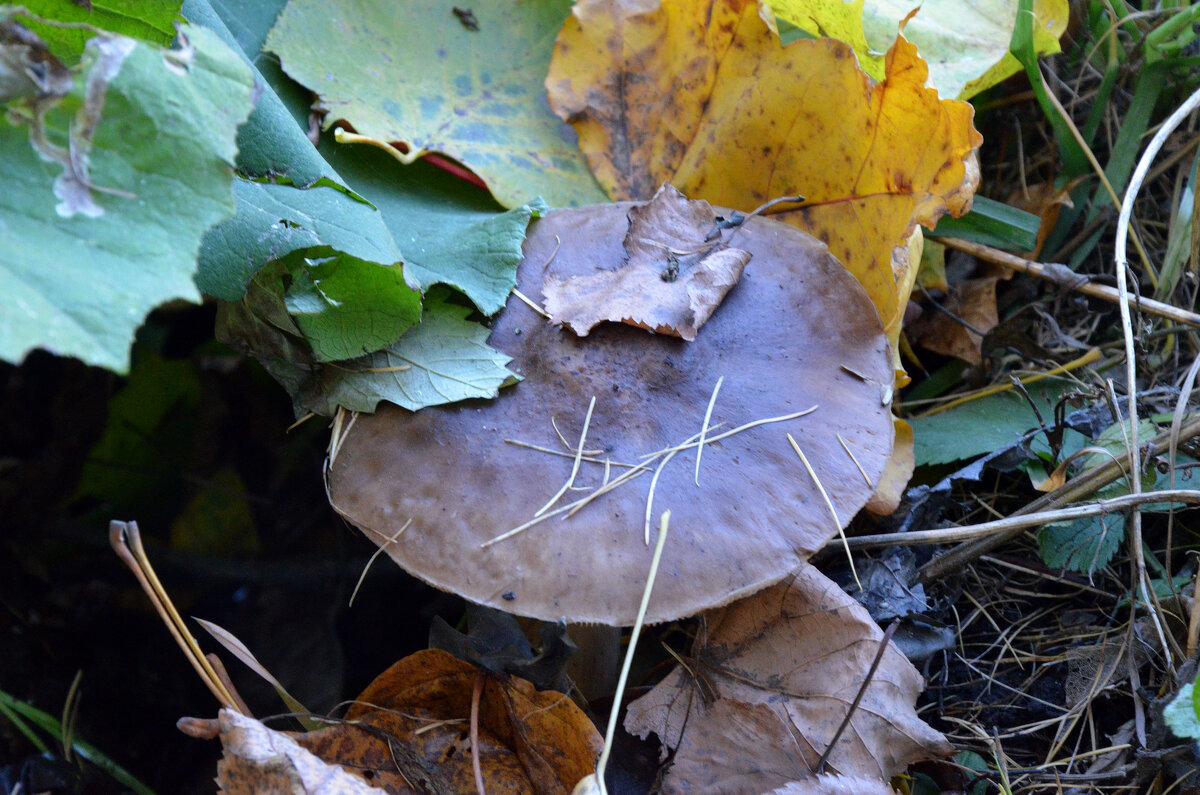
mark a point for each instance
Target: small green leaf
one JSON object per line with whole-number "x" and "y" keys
{"x": 80, "y": 274}
{"x": 347, "y": 307}
{"x": 412, "y": 73}
{"x": 1083, "y": 545}
{"x": 981, "y": 426}
{"x": 443, "y": 359}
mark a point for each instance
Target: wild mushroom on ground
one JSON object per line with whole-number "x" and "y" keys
{"x": 537, "y": 502}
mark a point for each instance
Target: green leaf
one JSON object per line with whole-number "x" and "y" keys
{"x": 136, "y": 464}
{"x": 273, "y": 221}
{"x": 413, "y": 73}
{"x": 149, "y": 20}
{"x": 1182, "y": 715}
{"x": 443, "y": 359}
{"x": 480, "y": 260}
{"x": 80, "y": 276}
{"x": 450, "y": 231}
{"x": 981, "y": 426}
{"x": 1083, "y": 545}
{"x": 347, "y": 307}
{"x": 272, "y": 142}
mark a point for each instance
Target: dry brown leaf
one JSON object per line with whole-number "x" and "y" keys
{"x": 257, "y": 759}
{"x": 1045, "y": 201}
{"x": 774, "y": 676}
{"x": 974, "y": 301}
{"x": 409, "y": 732}
{"x": 677, "y": 272}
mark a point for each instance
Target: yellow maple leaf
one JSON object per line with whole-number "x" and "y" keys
{"x": 704, "y": 96}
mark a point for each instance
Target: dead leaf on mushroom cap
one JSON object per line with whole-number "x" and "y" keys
{"x": 774, "y": 677}
{"x": 796, "y": 333}
{"x": 675, "y": 277}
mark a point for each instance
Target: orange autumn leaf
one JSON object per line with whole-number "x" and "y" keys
{"x": 703, "y": 95}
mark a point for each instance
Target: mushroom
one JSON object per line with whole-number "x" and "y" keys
{"x": 538, "y": 502}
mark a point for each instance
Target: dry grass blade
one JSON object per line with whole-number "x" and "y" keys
{"x": 239, "y": 650}
{"x": 374, "y": 557}
{"x": 587, "y": 420}
{"x": 712, "y": 401}
{"x": 134, "y": 556}
{"x": 828, "y": 504}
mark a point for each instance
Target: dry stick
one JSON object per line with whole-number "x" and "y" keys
{"x": 1080, "y": 487}
{"x": 951, "y": 535}
{"x": 587, "y": 420}
{"x": 1064, "y": 277}
{"x": 887, "y": 637}
{"x": 1185, "y": 393}
{"x": 1122, "y": 234}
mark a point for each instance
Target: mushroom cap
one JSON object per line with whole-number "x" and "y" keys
{"x": 796, "y": 332}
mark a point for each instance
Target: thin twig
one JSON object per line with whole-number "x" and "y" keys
{"x": 1068, "y": 279}
{"x": 476, "y": 765}
{"x": 883, "y": 644}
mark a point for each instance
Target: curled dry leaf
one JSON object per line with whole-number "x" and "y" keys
{"x": 796, "y": 332}
{"x": 678, "y": 270}
{"x": 770, "y": 682}
{"x": 409, "y": 732}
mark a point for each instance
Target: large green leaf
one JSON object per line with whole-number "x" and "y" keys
{"x": 271, "y": 143}
{"x": 79, "y": 275}
{"x": 451, "y": 232}
{"x": 414, "y": 73}
{"x": 148, "y": 20}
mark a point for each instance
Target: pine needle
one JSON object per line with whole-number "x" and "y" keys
{"x": 828, "y": 504}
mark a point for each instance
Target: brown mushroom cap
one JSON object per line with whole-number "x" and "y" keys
{"x": 797, "y": 331}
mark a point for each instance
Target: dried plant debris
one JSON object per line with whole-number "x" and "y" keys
{"x": 771, "y": 678}
{"x": 538, "y": 505}
{"x": 675, "y": 276}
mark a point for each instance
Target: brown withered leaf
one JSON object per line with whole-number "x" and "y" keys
{"x": 974, "y": 301}
{"x": 409, "y": 732}
{"x": 677, "y": 271}
{"x": 773, "y": 676}
{"x": 258, "y": 759}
